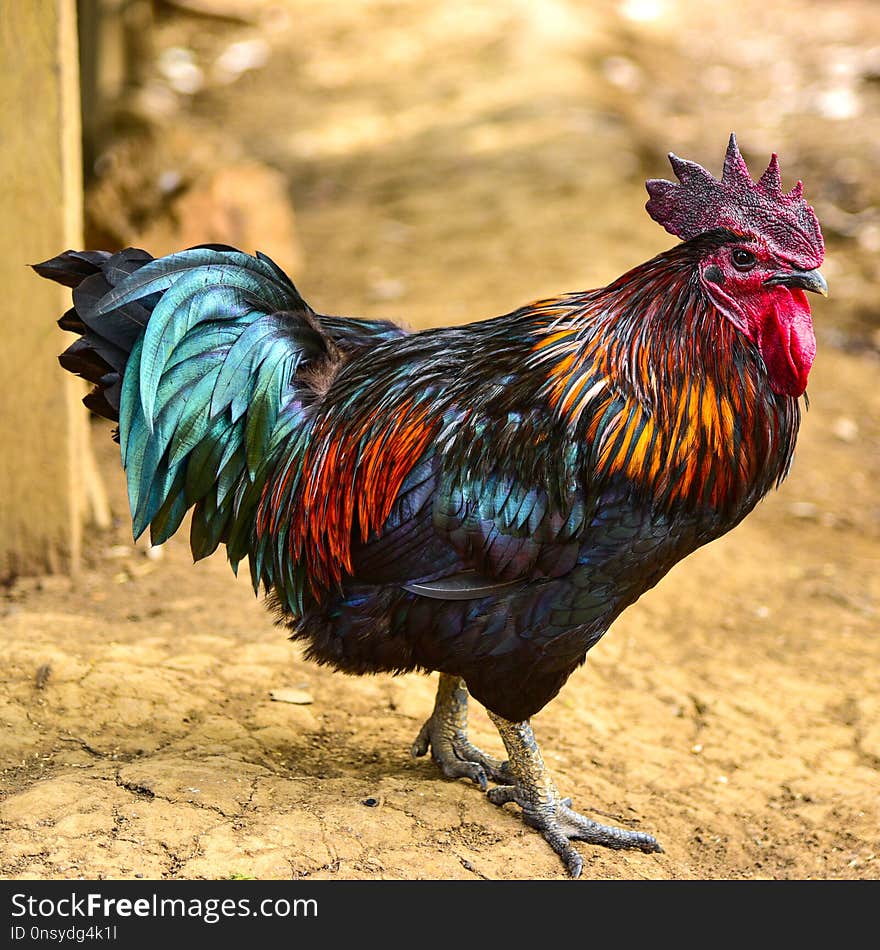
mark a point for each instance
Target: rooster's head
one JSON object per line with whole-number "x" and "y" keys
{"x": 767, "y": 253}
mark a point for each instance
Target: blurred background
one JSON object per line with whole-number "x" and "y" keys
{"x": 441, "y": 162}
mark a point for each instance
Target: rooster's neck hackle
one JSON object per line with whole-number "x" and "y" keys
{"x": 663, "y": 389}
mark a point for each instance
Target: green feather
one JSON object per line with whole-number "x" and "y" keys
{"x": 163, "y": 272}
{"x": 196, "y": 298}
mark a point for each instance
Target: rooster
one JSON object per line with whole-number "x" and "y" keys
{"x": 483, "y": 500}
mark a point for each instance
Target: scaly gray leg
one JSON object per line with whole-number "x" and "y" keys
{"x": 445, "y": 733}
{"x": 534, "y": 791}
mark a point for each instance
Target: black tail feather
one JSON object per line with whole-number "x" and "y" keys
{"x": 71, "y": 322}
{"x": 71, "y": 267}
{"x": 105, "y": 342}
{"x": 80, "y": 358}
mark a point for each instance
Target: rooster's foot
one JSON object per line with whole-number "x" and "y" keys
{"x": 445, "y": 734}
{"x": 543, "y": 809}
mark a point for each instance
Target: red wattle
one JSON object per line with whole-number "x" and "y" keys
{"x": 786, "y": 340}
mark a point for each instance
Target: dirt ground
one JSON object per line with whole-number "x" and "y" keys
{"x": 448, "y": 162}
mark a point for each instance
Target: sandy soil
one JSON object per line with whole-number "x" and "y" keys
{"x": 448, "y": 163}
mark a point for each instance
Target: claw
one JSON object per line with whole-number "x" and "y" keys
{"x": 546, "y": 811}
{"x": 472, "y": 770}
{"x": 502, "y": 794}
{"x": 445, "y": 734}
{"x": 423, "y": 742}
{"x": 571, "y": 857}
{"x": 560, "y": 825}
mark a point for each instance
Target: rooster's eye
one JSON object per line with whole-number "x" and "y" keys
{"x": 743, "y": 259}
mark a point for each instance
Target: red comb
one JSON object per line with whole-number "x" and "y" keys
{"x": 701, "y": 202}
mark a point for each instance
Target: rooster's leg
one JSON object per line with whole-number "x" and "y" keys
{"x": 445, "y": 733}
{"x": 535, "y": 792}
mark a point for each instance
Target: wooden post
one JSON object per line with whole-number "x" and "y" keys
{"x": 43, "y": 430}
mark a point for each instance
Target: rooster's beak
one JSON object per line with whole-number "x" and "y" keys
{"x": 805, "y": 279}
